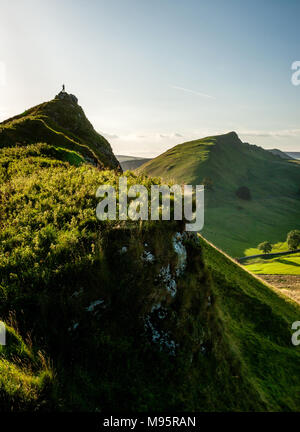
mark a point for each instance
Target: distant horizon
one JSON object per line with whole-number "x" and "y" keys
{"x": 144, "y": 157}
{"x": 155, "y": 74}
{"x": 152, "y": 157}
{"x": 147, "y": 154}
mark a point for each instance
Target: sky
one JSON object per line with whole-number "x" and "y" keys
{"x": 151, "y": 74}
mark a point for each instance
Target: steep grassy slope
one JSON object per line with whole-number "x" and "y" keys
{"x": 60, "y": 122}
{"x": 225, "y": 164}
{"x": 133, "y": 316}
{"x": 280, "y": 153}
{"x": 295, "y": 155}
{"x": 26, "y": 377}
{"x": 248, "y": 309}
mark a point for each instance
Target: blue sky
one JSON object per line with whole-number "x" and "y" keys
{"x": 152, "y": 74}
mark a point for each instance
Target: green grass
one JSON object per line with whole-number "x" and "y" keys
{"x": 229, "y": 163}
{"x": 224, "y": 339}
{"x": 248, "y": 310}
{"x": 287, "y": 264}
{"x": 52, "y": 246}
{"x": 27, "y": 380}
{"x": 276, "y": 248}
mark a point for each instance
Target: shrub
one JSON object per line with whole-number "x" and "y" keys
{"x": 293, "y": 239}
{"x": 244, "y": 193}
{"x": 207, "y": 183}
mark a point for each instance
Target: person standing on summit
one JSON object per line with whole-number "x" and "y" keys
{"x": 63, "y": 87}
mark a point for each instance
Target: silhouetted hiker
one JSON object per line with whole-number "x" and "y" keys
{"x": 63, "y": 87}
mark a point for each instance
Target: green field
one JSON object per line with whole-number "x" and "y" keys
{"x": 285, "y": 264}
{"x": 235, "y": 224}
{"x": 276, "y": 247}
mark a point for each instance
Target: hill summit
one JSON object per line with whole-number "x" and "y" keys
{"x": 61, "y": 123}
{"x": 255, "y": 191}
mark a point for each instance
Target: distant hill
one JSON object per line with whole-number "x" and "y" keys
{"x": 225, "y": 165}
{"x": 61, "y": 122}
{"x": 280, "y": 153}
{"x": 131, "y": 162}
{"x": 295, "y": 155}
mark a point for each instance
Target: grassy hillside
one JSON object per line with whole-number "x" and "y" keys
{"x": 248, "y": 308}
{"x": 225, "y": 164}
{"x": 280, "y": 153}
{"x": 123, "y": 316}
{"x": 62, "y": 123}
{"x": 276, "y": 248}
{"x": 295, "y": 155}
{"x": 131, "y": 162}
{"x": 287, "y": 264}
{"x": 27, "y": 380}
{"x": 163, "y": 321}
{"x": 282, "y": 265}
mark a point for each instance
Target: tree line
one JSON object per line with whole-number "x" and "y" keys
{"x": 293, "y": 242}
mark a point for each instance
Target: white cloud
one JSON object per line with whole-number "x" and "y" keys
{"x": 285, "y": 133}
{"x": 171, "y": 135}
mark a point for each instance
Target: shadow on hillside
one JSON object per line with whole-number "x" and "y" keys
{"x": 284, "y": 261}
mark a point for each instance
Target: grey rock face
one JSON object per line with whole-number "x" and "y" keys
{"x": 66, "y": 96}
